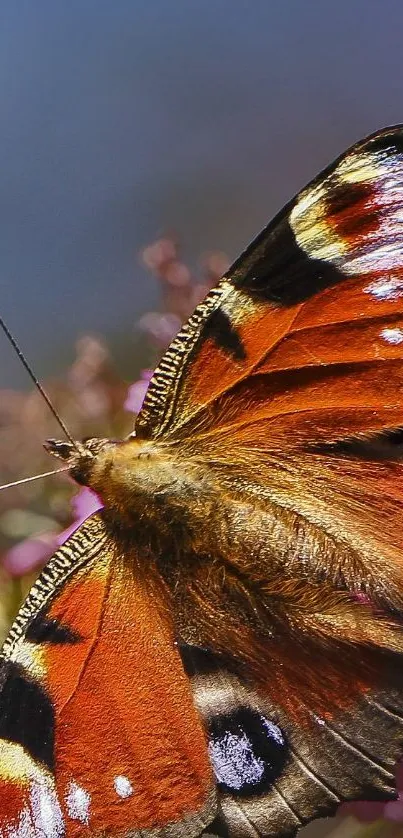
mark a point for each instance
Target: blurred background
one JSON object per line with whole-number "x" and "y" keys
{"x": 142, "y": 145}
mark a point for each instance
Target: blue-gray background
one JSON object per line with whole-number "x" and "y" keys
{"x": 122, "y": 119}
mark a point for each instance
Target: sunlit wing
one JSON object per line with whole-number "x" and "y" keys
{"x": 288, "y": 378}
{"x": 287, "y": 382}
{"x": 98, "y": 731}
{"x": 308, "y": 320}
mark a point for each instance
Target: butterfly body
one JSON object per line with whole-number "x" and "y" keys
{"x": 232, "y": 620}
{"x": 204, "y": 536}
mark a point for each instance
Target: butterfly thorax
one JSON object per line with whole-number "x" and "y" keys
{"x": 180, "y": 515}
{"x": 148, "y": 486}
{"x": 181, "y": 509}
{"x": 179, "y": 506}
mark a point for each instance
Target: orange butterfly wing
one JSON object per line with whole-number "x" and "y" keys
{"x": 93, "y": 703}
{"x": 308, "y": 319}
{"x": 288, "y": 378}
{"x": 287, "y": 382}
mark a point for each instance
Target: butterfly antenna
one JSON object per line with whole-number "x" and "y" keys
{"x": 35, "y": 477}
{"x": 37, "y": 383}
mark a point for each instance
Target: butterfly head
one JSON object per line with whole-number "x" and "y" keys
{"x": 112, "y": 466}
{"x": 79, "y": 457}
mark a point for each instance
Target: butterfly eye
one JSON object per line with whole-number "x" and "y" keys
{"x": 62, "y": 450}
{"x": 22, "y": 699}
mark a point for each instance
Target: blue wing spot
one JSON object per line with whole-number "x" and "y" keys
{"x": 248, "y": 752}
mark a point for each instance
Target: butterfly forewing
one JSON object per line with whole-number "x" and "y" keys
{"x": 92, "y": 704}
{"x": 321, "y": 287}
{"x": 295, "y": 361}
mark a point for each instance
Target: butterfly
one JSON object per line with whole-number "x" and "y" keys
{"x": 219, "y": 650}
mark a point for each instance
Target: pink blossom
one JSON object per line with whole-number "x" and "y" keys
{"x": 365, "y": 811}
{"x": 29, "y": 555}
{"x": 33, "y": 553}
{"x": 177, "y": 274}
{"x": 393, "y": 811}
{"x": 84, "y": 504}
{"x": 162, "y": 328}
{"x": 368, "y": 811}
{"x": 137, "y": 392}
{"x": 157, "y": 255}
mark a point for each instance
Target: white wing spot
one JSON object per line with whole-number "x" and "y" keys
{"x": 390, "y": 288}
{"x": 394, "y": 336}
{"x": 78, "y": 803}
{"x": 47, "y": 814}
{"x": 123, "y": 786}
{"x": 273, "y": 731}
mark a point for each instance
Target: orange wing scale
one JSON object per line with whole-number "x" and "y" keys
{"x": 305, "y": 357}
{"x": 317, "y": 297}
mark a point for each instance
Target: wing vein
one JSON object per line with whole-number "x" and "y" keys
{"x": 358, "y": 751}
{"x": 315, "y": 777}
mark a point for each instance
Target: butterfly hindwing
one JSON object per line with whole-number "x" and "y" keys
{"x": 98, "y": 732}
{"x": 274, "y": 776}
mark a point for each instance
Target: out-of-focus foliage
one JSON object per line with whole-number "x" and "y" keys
{"x": 93, "y": 401}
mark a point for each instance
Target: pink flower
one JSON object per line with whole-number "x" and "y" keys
{"x": 84, "y": 504}
{"x": 368, "y": 811}
{"x": 137, "y": 392}
{"x": 32, "y": 553}
{"x": 162, "y": 328}
{"x": 162, "y": 252}
{"x": 29, "y": 555}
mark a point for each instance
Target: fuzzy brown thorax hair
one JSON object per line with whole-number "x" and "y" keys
{"x": 206, "y": 537}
